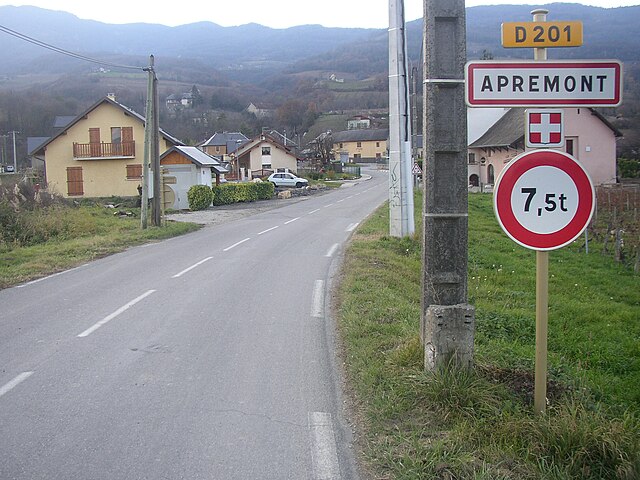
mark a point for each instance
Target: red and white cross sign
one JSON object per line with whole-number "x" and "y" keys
{"x": 545, "y": 128}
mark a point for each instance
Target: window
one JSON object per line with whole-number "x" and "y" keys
{"x": 266, "y": 151}
{"x": 74, "y": 181}
{"x": 569, "y": 145}
{"x": 357, "y": 155}
{"x": 490, "y": 174}
{"x": 472, "y": 159}
{"x": 377, "y": 144}
{"x": 134, "y": 171}
{"x": 116, "y": 135}
{"x": 116, "y": 141}
{"x": 359, "y": 144}
{"x": 341, "y": 146}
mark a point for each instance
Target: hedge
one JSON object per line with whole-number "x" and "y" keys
{"x": 199, "y": 197}
{"x": 228, "y": 193}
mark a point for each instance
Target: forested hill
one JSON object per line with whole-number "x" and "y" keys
{"x": 251, "y": 48}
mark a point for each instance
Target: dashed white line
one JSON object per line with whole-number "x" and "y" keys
{"x": 352, "y": 227}
{"x": 108, "y": 318}
{"x": 332, "y": 250}
{"x": 340, "y": 201}
{"x": 313, "y": 211}
{"x": 324, "y": 454}
{"x": 330, "y": 205}
{"x": 269, "y": 229}
{"x": 14, "y": 383}
{"x": 291, "y": 221}
{"x": 317, "y": 299}
{"x": 236, "y": 244}
{"x": 191, "y": 267}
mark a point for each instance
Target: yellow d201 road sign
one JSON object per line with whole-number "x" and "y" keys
{"x": 541, "y": 34}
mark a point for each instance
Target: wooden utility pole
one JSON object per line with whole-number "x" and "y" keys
{"x": 144, "y": 201}
{"x": 151, "y": 164}
{"x": 155, "y": 156}
{"x": 448, "y": 322}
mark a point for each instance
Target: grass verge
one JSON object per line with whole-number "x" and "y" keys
{"x": 81, "y": 234}
{"x": 479, "y": 424}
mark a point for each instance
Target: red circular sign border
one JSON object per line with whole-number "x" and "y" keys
{"x": 504, "y": 188}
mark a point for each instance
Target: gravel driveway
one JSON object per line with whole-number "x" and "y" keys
{"x": 228, "y": 213}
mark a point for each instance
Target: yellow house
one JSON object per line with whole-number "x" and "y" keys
{"x": 360, "y": 145}
{"x": 99, "y": 153}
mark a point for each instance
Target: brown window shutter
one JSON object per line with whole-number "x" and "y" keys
{"x": 134, "y": 171}
{"x": 74, "y": 181}
{"x": 94, "y": 142}
{"x": 127, "y": 134}
{"x": 128, "y": 144}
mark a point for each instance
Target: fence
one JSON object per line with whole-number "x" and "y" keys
{"x": 616, "y": 224}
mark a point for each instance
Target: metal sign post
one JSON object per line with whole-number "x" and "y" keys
{"x": 542, "y": 286}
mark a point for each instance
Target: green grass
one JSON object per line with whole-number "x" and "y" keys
{"x": 480, "y": 424}
{"x": 68, "y": 237}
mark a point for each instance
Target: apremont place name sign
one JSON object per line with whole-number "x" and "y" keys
{"x": 586, "y": 83}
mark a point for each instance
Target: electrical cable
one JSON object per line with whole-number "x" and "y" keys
{"x": 53, "y": 48}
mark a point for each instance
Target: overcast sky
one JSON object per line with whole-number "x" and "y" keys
{"x": 274, "y": 13}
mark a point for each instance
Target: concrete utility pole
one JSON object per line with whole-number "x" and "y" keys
{"x": 448, "y": 323}
{"x": 401, "y": 221}
{"x": 15, "y": 160}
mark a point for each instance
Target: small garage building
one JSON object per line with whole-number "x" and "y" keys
{"x": 190, "y": 166}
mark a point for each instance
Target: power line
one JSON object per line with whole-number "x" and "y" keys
{"x": 42, "y": 44}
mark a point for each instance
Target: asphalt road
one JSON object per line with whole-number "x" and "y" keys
{"x": 208, "y": 356}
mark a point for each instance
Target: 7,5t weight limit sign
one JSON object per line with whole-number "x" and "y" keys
{"x": 544, "y": 199}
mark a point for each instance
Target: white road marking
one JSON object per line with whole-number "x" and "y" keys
{"x": 327, "y": 206}
{"x": 269, "y": 229}
{"x": 313, "y": 211}
{"x": 191, "y": 267}
{"x": 291, "y": 221}
{"x": 108, "y": 318}
{"x": 317, "y": 299}
{"x": 236, "y": 244}
{"x": 15, "y": 382}
{"x": 332, "y": 250}
{"x": 324, "y": 454}
{"x": 50, "y": 276}
{"x": 352, "y": 227}
{"x": 340, "y": 201}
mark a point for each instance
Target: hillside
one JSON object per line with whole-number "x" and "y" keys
{"x": 233, "y": 66}
{"x": 250, "y": 52}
